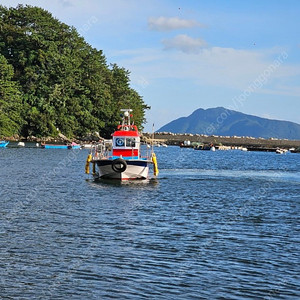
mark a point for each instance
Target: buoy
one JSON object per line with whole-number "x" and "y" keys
{"x": 155, "y": 167}
{"x": 87, "y": 164}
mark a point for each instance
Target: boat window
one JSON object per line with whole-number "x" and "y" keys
{"x": 120, "y": 142}
{"x": 130, "y": 142}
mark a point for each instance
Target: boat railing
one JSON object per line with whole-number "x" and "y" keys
{"x": 103, "y": 150}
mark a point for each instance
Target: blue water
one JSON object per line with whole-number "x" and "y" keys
{"x": 214, "y": 225}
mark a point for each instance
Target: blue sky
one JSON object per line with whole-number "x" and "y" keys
{"x": 190, "y": 54}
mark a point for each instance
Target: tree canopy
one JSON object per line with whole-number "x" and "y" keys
{"x": 52, "y": 80}
{"x": 10, "y": 100}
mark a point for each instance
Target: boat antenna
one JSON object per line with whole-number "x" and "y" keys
{"x": 126, "y": 116}
{"x": 152, "y": 140}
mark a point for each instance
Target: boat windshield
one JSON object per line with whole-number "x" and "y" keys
{"x": 125, "y": 142}
{"x": 130, "y": 142}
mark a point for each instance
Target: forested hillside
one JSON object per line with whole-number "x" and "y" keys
{"x": 50, "y": 79}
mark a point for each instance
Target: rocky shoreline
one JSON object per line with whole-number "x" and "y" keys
{"x": 58, "y": 139}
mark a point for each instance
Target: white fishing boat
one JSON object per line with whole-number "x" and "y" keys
{"x": 122, "y": 159}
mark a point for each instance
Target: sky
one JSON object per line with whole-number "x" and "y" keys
{"x": 188, "y": 54}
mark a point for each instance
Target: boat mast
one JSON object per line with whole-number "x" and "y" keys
{"x": 126, "y": 116}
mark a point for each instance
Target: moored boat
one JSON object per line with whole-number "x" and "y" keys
{"x": 293, "y": 150}
{"x": 21, "y": 144}
{"x": 122, "y": 159}
{"x": 205, "y": 147}
{"x": 281, "y": 151}
{"x": 87, "y": 146}
{"x": 3, "y": 144}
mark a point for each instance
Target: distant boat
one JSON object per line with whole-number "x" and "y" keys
{"x": 21, "y": 144}
{"x": 293, "y": 150}
{"x": 281, "y": 151}
{"x": 57, "y": 146}
{"x": 3, "y": 144}
{"x": 87, "y": 146}
{"x": 205, "y": 147}
{"x": 74, "y": 146}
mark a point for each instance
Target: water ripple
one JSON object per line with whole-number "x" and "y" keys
{"x": 222, "y": 225}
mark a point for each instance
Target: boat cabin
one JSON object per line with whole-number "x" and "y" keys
{"x": 126, "y": 142}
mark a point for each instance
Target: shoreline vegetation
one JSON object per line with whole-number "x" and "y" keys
{"x": 52, "y": 80}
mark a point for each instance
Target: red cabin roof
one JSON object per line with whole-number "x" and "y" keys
{"x": 121, "y": 132}
{"x": 125, "y": 133}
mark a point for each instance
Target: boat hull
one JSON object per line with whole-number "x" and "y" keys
{"x": 136, "y": 169}
{"x": 45, "y": 146}
{"x": 3, "y": 144}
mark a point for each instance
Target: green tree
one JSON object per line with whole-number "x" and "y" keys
{"x": 10, "y": 101}
{"x": 65, "y": 82}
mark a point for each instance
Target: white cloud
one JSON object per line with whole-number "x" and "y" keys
{"x": 166, "y": 24}
{"x": 184, "y": 43}
{"x": 216, "y": 66}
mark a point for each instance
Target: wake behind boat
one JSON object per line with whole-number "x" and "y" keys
{"x": 122, "y": 159}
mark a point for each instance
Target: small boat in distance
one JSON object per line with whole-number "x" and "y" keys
{"x": 209, "y": 147}
{"x": 57, "y": 146}
{"x": 281, "y": 151}
{"x": 3, "y": 144}
{"x": 21, "y": 144}
{"x": 121, "y": 159}
{"x": 87, "y": 146}
{"x": 293, "y": 150}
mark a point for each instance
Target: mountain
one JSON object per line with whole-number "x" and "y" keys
{"x": 225, "y": 122}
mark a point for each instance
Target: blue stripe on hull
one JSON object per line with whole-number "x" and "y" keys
{"x": 60, "y": 147}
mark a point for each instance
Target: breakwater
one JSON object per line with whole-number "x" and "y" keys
{"x": 234, "y": 141}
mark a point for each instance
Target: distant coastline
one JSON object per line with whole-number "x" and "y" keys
{"x": 176, "y": 139}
